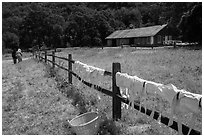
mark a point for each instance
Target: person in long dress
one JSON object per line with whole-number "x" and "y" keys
{"x": 19, "y": 55}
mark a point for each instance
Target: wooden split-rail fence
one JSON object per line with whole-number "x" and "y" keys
{"x": 117, "y": 99}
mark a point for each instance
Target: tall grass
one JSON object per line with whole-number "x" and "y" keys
{"x": 181, "y": 67}
{"x": 31, "y": 103}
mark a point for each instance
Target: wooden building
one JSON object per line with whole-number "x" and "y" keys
{"x": 147, "y": 36}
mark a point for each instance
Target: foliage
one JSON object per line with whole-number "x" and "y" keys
{"x": 191, "y": 24}
{"x": 89, "y": 23}
{"x": 129, "y": 16}
{"x": 10, "y": 40}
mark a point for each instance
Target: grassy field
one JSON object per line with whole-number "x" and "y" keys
{"x": 48, "y": 112}
{"x": 181, "y": 67}
{"x": 31, "y": 101}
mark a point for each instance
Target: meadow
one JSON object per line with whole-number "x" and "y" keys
{"x": 180, "y": 67}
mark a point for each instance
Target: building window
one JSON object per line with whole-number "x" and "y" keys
{"x": 148, "y": 40}
{"x": 137, "y": 41}
{"x": 170, "y": 37}
{"x": 159, "y": 39}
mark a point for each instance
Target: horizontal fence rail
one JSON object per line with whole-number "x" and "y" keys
{"x": 155, "y": 115}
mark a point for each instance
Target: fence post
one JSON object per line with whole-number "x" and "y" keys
{"x": 45, "y": 56}
{"x": 70, "y": 68}
{"x": 116, "y": 103}
{"x": 53, "y": 59}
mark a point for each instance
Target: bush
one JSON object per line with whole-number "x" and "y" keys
{"x": 10, "y": 40}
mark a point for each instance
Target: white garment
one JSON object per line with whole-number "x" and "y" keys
{"x": 188, "y": 102}
{"x": 124, "y": 93}
{"x": 134, "y": 85}
{"x": 184, "y": 102}
{"x": 89, "y": 73}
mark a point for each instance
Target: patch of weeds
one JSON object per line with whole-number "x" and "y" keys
{"x": 71, "y": 92}
{"x": 68, "y": 90}
{"x": 109, "y": 127}
{"x": 50, "y": 72}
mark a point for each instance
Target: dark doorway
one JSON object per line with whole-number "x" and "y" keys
{"x": 131, "y": 41}
{"x": 114, "y": 42}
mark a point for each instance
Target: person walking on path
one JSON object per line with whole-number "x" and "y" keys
{"x": 19, "y": 55}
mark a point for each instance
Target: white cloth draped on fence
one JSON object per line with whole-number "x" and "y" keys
{"x": 180, "y": 100}
{"x": 89, "y": 73}
{"x": 188, "y": 101}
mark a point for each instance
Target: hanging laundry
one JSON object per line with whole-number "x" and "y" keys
{"x": 95, "y": 74}
{"x": 175, "y": 102}
{"x": 189, "y": 102}
{"x": 153, "y": 87}
{"x": 133, "y": 94}
{"x": 123, "y": 80}
{"x": 166, "y": 91}
{"x": 143, "y": 94}
{"x": 185, "y": 102}
{"x": 134, "y": 85}
{"x": 124, "y": 94}
{"x": 139, "y": 90}
{"x": 89, "y": 73}
{"x": 171, "y": 94}
{"x": 81, "y": 70}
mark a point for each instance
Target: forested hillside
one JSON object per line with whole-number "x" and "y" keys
{"x": 87, "y": 24}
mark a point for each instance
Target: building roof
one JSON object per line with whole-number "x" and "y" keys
{"x": 138, "y": 32}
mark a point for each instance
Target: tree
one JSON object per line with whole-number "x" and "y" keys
{"x": 88, "y": 24}
{"x": 129, "y": 16}
{"x": 10, "y": 40}
{"x": 35, "y": 27}
{"x": 56, "y": 36}
{"x": 191, "y": 24}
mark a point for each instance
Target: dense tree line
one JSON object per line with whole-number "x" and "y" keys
{"x": 87, "y": 24}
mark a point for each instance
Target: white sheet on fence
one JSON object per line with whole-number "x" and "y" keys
{"x": 89, "y": 73}
{"x": 182, "y": 102}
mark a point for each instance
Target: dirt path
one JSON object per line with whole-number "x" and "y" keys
{"x": 31, "y": 102}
